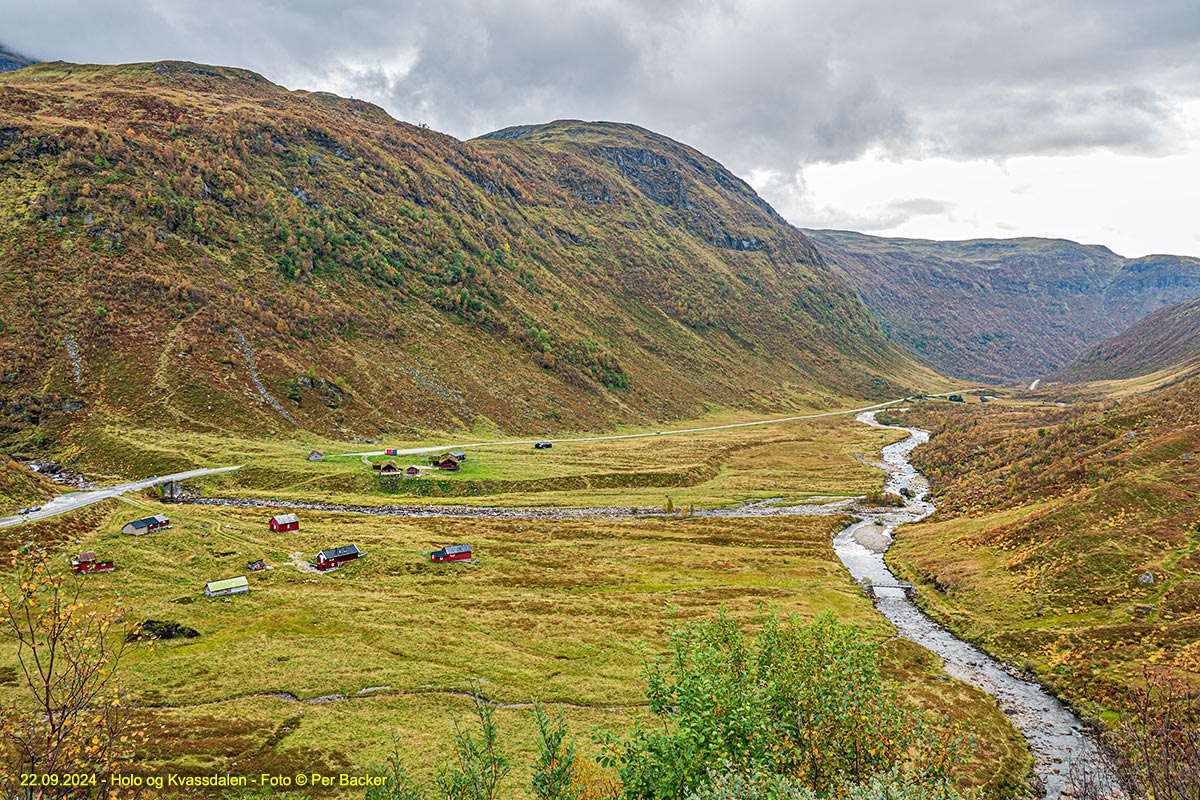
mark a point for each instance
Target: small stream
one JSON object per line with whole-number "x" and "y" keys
{"x": 1055, "y": 735}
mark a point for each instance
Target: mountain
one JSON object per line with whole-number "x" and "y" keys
{"x": 10, "y": 60}
{"x": 198, "y": 248}
{"x": 1168, "y": 339}
{"x": 1003, "y": 309}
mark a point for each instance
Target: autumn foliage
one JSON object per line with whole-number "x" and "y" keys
{"x": 72, "y": 723}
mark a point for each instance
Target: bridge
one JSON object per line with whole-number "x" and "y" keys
{"x": 869, "y": 588}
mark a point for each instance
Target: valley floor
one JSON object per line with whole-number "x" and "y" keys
{"x": 313, "y": 671}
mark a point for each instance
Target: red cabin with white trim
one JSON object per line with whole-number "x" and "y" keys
{"x": 282, "y": 523}
{"x": 453, "y": 552}
{"x": 337, "y": 556}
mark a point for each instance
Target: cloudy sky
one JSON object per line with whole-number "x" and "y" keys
{"x": 1072, "y": 118}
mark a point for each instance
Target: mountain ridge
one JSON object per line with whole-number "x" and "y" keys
{"x": 197, "y": 247}
{"x": 1003, "y": 309}
{"x": 1167, "y": 339}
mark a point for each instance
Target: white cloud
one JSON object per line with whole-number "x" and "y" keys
{"x": 1136, "y": 205}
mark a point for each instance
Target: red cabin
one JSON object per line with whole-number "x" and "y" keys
{"x": 282, "y": 523}
{"x": 335, "y": 557}
{"x": 86, "y": 562}
{"x": 453, "y": 552}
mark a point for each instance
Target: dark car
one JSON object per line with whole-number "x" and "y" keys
{"x": 543, "y": 445}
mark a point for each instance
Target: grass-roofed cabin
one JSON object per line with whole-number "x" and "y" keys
{"x": 447, "y": 462}
{"x": 227, "y": 586}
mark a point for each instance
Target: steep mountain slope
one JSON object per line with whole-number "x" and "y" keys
{"x": 1168, "y": 339}
{"x": 196, "y": 247}
{"x": 1003, "y": 309}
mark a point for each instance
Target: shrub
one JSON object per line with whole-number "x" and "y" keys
{"x": 792, "y": 703}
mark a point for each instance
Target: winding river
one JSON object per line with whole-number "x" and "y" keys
{"x": 1056, "y": 736}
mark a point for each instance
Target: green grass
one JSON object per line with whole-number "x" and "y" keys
{"x": 552, "y": 612}
{"x": 792, "y": 460}
{"x": 562, "y": 613}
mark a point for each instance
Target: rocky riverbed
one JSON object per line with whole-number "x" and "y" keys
{"x": 1056, "y": 736}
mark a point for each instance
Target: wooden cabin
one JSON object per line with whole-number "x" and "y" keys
{"x": 412, "y": 471}
{"x": 226, "y": 586}
{"x": 335, "y": 557}
{"x": 389, "y": 469}
{"x": 86, "y": 562}
{"x": 282, "y": 523}
{"x": 146, "y": 525}
{"x": 446, "y": 462}
{"x": 454, "y": 552}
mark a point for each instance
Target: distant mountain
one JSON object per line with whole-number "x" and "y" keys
{"x": 196, "y": 247}
{"x": 10, "y": 60}
{"x": 1165, "y": 340}
{"x": 1003, "y": 309}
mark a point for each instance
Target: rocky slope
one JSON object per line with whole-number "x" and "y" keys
{"x": 1168, "y": 339}
{"x": 1003, "y": 309}
{"x": 196, "y": 247}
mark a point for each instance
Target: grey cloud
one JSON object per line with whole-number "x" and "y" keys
{"x": 767, "y": 86}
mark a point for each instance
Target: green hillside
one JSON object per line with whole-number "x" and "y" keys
{"x": 1168, "y": 339}
{"x": 1067, "y": 538}
{"x": 1003, "y": 309}
{"x": 197, "y": 248}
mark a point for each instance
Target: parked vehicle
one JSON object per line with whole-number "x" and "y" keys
{"x": 543, "y": 445}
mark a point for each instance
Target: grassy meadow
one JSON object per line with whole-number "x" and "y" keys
{"x": 322, "y": 671}
{"x": 792, "y": 460}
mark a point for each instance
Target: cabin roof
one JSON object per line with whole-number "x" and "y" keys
{"x": 285, "y": 519}
{"x": 226, "y": 583}
{"x": 146, "y": 522}
{"x": 338, "y": 552}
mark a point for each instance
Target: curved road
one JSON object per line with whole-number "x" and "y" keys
{"x": 75, "y": 500}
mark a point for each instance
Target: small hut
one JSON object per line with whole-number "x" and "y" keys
{"x": 238, "y": 585}
{"x": 282, "y": 523}
{"x": 337, "y": 556}
{"x": 146, "y": 525}
{"x": 86, "y": 562}
{"x": 453, "y": 552}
